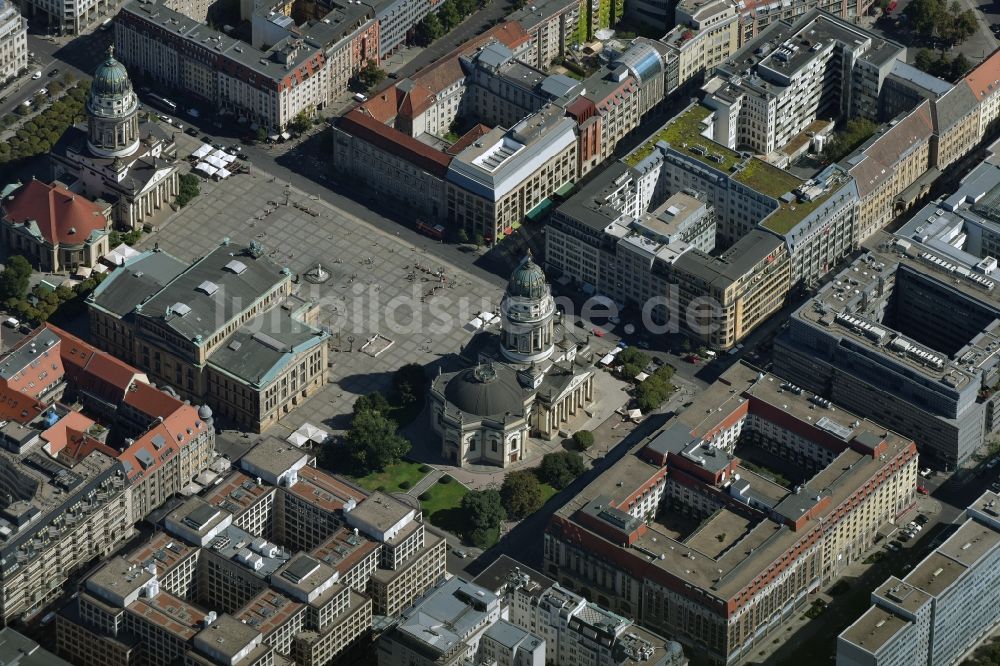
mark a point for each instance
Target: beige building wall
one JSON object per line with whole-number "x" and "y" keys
{"x": 392, "y": 591}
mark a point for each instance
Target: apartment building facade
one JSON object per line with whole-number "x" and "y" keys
{"x": 535, "y": 134}
{"x": 13, "y": 42}
{"x": 706, "y": 34}
{"x": 776, "y": 85}
{"x": 728, "y": 585}
{"x": 939, "y": 610}
{"x": 253, "y": 361}
{"x": 78, "y": 487}
{"x": 553, "y": 27}
{"x": 234, "y": 558}
{"x": 265, "y": 87}
{"x": 922, "y": 371}
{"x": 574, "y": 630}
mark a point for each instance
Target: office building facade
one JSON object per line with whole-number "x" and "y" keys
{"x": 753, "y": 549}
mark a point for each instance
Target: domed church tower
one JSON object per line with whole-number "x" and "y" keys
{"x": 112, "y": 111}
{"x": 527, "y": 313}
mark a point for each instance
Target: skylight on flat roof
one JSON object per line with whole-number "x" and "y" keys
{"x": 180, "y": 309}
{"x": 235, "y": 266}
{"x": 207, "y": 287}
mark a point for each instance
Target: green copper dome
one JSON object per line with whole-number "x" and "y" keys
{"x": 528, "y": 280}
{"x": 111, "y": 78}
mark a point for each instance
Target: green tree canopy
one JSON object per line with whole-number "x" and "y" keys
{"x": 371, "y": 75}
{"x": 560, "y": 468}
{"x": 15, "y": 278}
{"x": 633, "y": 361}
{"x": 584, "y": 439}
{"x": 428, "y": 30}
{"x": 853, "y": 135}
{"x": 484, "y": 513}
{"x": 449, "y": 14}
{"x": 373, "y": 402}
{"x": 653, "y": 392}
{"x": 410, "y": 383}
{"x": 373, "y": 443}
{"x": 521, "y": 493}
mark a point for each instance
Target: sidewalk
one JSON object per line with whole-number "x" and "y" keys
{"x": 424, "y": 484}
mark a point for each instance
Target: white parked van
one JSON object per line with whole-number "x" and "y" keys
{"x": 358, "y": 97}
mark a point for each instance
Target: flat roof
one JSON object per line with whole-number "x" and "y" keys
{"x": 935, "y": 573}
{"x": 137, "y": 280}
{"x": 269, "y": 65}
{"x": 381, "y": 511}
{"x": 274, "y": 455}
{"x": 970, "y": 543}
{"x": 762, "y": 543}
{"x": 505, "y": 570}
{"x": 874, "y": 629}
{"x": 258, "y": 351}
{"x": 322, "y": 490}
{"x": 212, "y": 291}
{"x": 685, "y": 134}
{"x": 16, "y": 649}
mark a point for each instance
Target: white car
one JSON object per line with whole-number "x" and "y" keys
{"x": 358, "y": 97}
{"x": 11, "y": 322}
{"x": 926, "y": 472}
{"x": 37, "y": 75}
{"x": 43, "y": 91}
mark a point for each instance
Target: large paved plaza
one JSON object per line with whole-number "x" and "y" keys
{"x": 376, "y": 284}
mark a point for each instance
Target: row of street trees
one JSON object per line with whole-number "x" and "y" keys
{"x": 939, "y": 20}
{"x": 436, "y": 24}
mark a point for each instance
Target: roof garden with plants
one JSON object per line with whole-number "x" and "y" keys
{"x": 684, "y": 134}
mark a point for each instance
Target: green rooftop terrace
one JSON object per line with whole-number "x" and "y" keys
{"x": 788, "y": 215}
{"x": 685, "y": 130}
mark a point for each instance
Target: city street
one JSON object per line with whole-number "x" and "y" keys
{"x": 78, "y": 57}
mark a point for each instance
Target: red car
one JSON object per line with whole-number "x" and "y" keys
{"x": 693, "y": 358}
{"x": 598, "y": 332}
{"x": 923, "y": 490}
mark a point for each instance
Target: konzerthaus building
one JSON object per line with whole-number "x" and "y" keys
{"x": 695, "y": 545}
{"x": 226, "y": 327}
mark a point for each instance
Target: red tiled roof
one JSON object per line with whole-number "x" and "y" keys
{"x": 95, "y": 370}
{"x": 62, "y": 216}
{"x": 15, "y": 406}
{"x": 415, "y": 102}
{"x": 69, "y": 427}
{"x": 467, "y": 139}
{"x": 151, "y": 400}
{"x": 393, "y": 141}
{"x": 984, "y": 80}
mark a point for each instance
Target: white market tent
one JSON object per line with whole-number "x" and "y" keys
{"x": 634, "y": 414}
{"x": 223, "y": 157}
{"x": 100, "y": 268}
{"x": 119, "y": 255}
{"x": 641, "y": 377}
{"x": 223, "y": 173}
{"x": 474, "y": 325}
{"x": 308, "y": 434}
{"x": 215, "y": 161}
{"x": 206, "y": 168}
{"x": 82, "y": 272}
{"x": 203, "y": 149}
{"x": 607, "y": 360}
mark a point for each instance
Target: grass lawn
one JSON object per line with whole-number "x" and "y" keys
{"x": 392, "y": 476}
{"x": 547, "y": 492}
{"x": 442, "y": 507}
